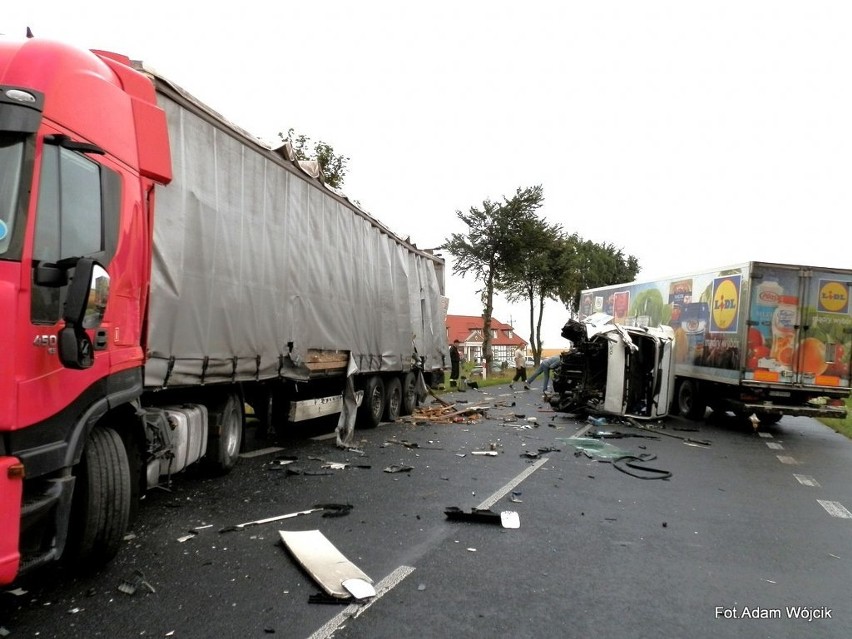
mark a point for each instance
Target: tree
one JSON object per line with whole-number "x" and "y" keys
{"x": 493, "y": 243}
{"x": 332, "y": 167}
{"x": 536, "y": 278}
{"x": 586, "y": 264}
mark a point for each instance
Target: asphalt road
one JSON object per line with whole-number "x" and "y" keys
{"x": 749, "y": 536}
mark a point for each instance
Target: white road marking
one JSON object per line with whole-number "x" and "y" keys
{"x": 353, "y": 611}
{"x": 517, "y": 480}
{"x": 835, "y": 509}
{"x": 807, "y": 480}
{"x": 262, "y": 451}
{"x": 775, "y": 445}
{"x": 784, "y": 459}
{"x": 765, "y": 435}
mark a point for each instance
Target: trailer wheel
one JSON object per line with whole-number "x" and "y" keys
{"x": 690, "y": 401}
{"x": 393, "y": 402}
{"x": 373, "y": 405}
{"x": 409, "y": 393}
{"x": 226, "y": 434}
{"x": 100, "y": 510}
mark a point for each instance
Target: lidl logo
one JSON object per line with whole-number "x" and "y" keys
{"x": 833, "y": 296}
{"x": 726, "y": 304}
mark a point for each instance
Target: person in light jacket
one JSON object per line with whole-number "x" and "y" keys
{"x": 520, "y": 369}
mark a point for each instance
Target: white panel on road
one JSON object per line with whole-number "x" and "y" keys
{"x": 775, "y": 445}
{"x": 807, "y": 480}
{"x": 784, "y": 459}
{"x": 835, "y": 509}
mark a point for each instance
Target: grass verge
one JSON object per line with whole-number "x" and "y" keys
{"x": 842, "y": 426}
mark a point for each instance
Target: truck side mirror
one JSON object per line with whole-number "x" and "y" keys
{"x": 85, "y": 305}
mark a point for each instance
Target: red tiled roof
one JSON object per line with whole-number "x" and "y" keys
{"x": 460, "y": 327}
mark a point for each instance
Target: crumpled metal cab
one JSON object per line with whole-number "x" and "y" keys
{"x": 615, "y": 369}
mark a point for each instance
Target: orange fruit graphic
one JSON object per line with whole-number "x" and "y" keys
{"x": 811, "y": 356}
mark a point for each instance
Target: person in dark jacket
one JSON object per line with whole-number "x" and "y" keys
{"x": 455, "y": 357}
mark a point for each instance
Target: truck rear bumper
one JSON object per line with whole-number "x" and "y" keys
{"x": 829, "y": 412}
{"x": 11, "y": 492}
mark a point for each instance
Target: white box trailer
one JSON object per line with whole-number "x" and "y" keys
{"x": 756, "y": 338}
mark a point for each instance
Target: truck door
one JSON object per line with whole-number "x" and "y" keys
{"x": 822, "y": 357}
{"x": 76, "y": 216}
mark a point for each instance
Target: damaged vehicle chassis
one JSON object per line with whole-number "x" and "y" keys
{"x": 615, "y": 369}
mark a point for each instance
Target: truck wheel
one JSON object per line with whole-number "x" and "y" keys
{"x": 225, "y": 434}
{"x": 100, "y": 509}
{"x": 393, "y": 403}
{"x": 373, "y": 405}
{"x": 767, "y": 419}
{"x": 690, "y": 403}
{"x": 409, "y": 394}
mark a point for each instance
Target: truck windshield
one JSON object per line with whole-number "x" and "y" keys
{"x": 11, "y": 164}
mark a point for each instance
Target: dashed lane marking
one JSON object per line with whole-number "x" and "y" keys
{"x": 517, "y": 480}
{"x": 807, "y": 480}
{"x": 353, "y": 611}
{"x": 835, "y": 509}
{"x": 765, "y": 435}
{"x": 786, "y": 459}
{"x": 775, "y": 445}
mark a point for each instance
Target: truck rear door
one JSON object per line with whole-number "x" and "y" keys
{"x": 800, "y": 327}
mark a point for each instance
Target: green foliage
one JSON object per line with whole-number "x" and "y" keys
{"x": 332, "y": 166}
{"x": 589, "y": 265}
{"x": 842, "y": 426}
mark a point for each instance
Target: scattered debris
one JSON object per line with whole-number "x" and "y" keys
{"x": 447, "y": 413}
{"x": 334, "y": 573}
{"x": 409, "y": 444}
{"x": 399, "y": 468}
{"x": 632, "y": 461}
{"x": 131, "y": 586}
{"x": 507, "y": 518}
{"x": 530, "y": 454}
{"x": 192, "y": 533}
{"x": 334, "y": 510}
{"x": 269, "y": 520}
{"x": 516, "y": 496}
{"x": 487, "y": 453}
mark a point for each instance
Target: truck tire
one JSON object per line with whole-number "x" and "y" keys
{"x": 409, "y": 393}
{"x": 100, "y": 510}
{"x": 690, "y": 402}
{"x": 393, "y": 399}
{"x": 373, "y": 405}
{"x": 225, "y": 434}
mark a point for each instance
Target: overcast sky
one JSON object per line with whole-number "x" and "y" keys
{"x": 689, "y": 134}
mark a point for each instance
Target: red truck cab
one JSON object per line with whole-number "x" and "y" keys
{"x": 82, "y": 143}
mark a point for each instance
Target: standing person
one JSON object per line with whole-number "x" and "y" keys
{"x": 454, "y": 363}
{"x": 544, "y": 368}
{"x": 520, "y": 368}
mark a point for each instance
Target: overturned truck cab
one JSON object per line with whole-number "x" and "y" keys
{"x": 615, "y": 369}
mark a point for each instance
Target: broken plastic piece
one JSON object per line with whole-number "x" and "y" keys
{"x": 359, "y": 588}
{"x": 507, "y": 518}
{"x": 488, "y": 453}
{"x": 322, "y": 561}
{"x": 510, "y": 519}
